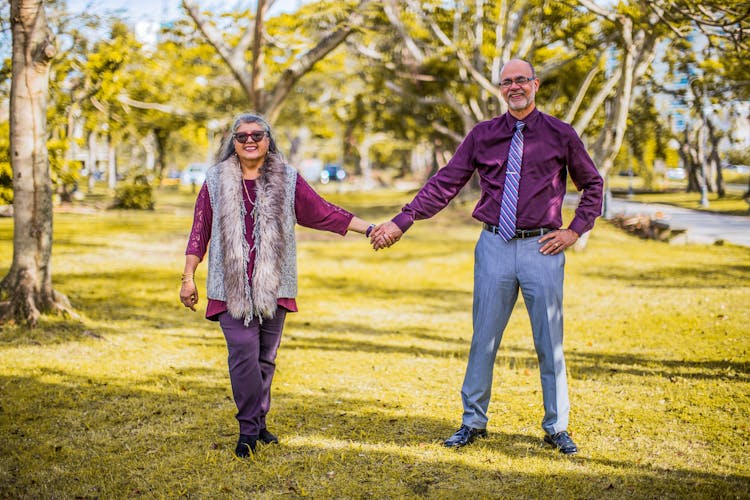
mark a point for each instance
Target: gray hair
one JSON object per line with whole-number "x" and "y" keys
{"x": 227, "y": 144}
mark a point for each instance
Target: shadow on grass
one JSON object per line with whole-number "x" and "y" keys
{"x": 111, "y": 304}
{"x": 321, "y": 329}
{"x": 156, "y": 435}
{"x": 603, "y": 365}
{"x": 137, "y": 305}
{"x": 579, "y": 363}
{"x": 438, "y": 300}
{"x": 401, "y": 254}
{"x": 702, "y": 275}
{"x": 113, "y": 297}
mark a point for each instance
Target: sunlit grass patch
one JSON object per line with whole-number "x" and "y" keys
{"x": 133, "y": 399}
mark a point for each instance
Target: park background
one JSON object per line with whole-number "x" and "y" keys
{"x": 126, "y": 395}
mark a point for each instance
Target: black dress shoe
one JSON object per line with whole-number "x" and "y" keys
{"x": 245, "y": 445}
{"x": 562, "y": 441}
{"x": 266, "y": 437}
{"x": 464, "y": 436}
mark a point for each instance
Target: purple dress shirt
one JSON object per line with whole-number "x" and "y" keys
{"x": 551, "y": 149}
{"x": 310, "y": 209}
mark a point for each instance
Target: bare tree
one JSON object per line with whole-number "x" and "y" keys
{"x": 268, "y": 100}
{"x": 718, "y": 76}
{"x": 637, "y": 39}
{"x": 28, "y": 284}
{"x": 518, "y": 31}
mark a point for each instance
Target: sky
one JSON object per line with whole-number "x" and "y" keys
{"x": 147, "y": 15}
{"x": 164, "y": 10}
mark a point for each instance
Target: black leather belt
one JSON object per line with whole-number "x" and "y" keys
{"x": 520, "y": 233}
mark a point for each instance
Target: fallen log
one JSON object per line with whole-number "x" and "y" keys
{"x": 653, "y": 227}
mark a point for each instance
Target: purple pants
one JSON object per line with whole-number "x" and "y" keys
{"x": 252, "y": 355}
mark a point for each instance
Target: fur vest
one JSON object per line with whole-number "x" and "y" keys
{"x": 275, "y": 267}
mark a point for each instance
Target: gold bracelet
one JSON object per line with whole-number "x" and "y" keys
{"x": 187, "y": 277}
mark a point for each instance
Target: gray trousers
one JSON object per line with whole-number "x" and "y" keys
{"x": 500, "y": 269}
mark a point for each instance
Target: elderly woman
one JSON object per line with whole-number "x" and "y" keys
{"x": 245, "y": 215}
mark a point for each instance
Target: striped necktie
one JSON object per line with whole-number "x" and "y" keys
{"x": 507, "y": 222}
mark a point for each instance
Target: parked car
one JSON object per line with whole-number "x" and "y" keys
{"x": 676, "y": 174}
{"x": 332, "y": 172}
{"x": 740, "y": 169}
{"x": 194, "y": 174}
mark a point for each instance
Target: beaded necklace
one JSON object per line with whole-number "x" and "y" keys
{"x": 250, "y": 200}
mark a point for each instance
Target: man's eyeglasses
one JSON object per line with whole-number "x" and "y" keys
{"x": 256, "y": 136}
{"x": 521, "y": 80}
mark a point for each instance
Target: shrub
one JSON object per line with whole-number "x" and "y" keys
{"x": 739, "y": 156}
{"x": 135, "y": 193}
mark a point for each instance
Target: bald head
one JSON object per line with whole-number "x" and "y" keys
{"x": 518, "y": 63}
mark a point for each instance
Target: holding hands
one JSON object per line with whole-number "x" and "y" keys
{"x": 385, "y": 235}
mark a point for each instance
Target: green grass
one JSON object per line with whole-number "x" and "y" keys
{"x": 134, "y": 399}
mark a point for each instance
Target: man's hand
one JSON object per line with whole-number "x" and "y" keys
{"x": 385, "y": 235}
{"x": 557, "y": 241}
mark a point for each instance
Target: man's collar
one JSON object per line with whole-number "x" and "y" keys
{"x": 527, "y": 120}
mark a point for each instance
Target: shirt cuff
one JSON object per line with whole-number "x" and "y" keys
{"x": 403, "y": 221}
{"x": 348, "y": 216}
{"x": 577, "y": 226}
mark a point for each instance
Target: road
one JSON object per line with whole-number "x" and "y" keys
{"x": 700, "y": 227}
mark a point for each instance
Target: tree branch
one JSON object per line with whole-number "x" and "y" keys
{"x": 164, "y": 108}
{"x": 233, "y": 57}
{"x": 582, "y": 90}
{"x": 447, "y": 131}
{"x": 303, "y": 64}
{"x": 390, "y": 7}
{"x": 596, "y": 9}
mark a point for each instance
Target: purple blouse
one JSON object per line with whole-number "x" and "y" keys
{"x": 310, "y": 209}
{"x": 552, "y": 149}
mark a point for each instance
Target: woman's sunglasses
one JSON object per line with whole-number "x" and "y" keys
{"x": 256, "y": 136}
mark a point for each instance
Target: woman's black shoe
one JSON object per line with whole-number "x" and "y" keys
{"x": 266, "y": 437}
{"x": 245, "y": 445}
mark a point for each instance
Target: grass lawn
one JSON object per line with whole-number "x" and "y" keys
{"x": 134, "y": 399}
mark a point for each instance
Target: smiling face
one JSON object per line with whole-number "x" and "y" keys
{"x": 520, "y": 97}
{"x": 251, "y": 152}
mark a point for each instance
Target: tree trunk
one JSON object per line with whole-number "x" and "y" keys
{"x": 111, "y": 165}
{"x": 717, "y": 176}
{"x": 91, "y": 165}
{"x": 256, "y": 89}
{"x": 365, "y": 165}
{"x": 161, "y": 152}
{"x": 28, "y": 284}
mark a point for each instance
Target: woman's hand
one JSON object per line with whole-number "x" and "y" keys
{"x": 384, "y": 235}
{"x": 189, "y": 294}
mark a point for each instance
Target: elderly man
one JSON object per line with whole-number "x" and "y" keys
{"x": 522, "y": 158}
